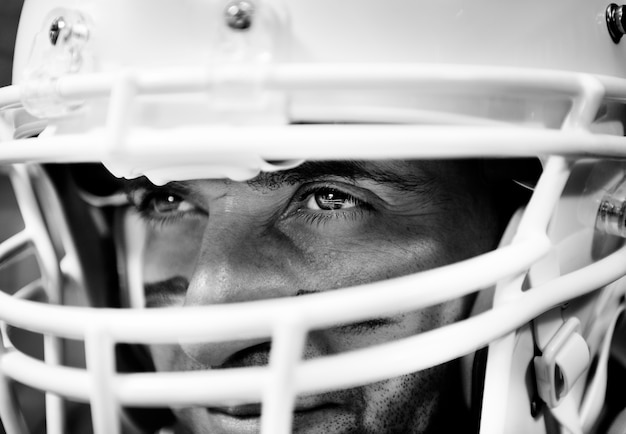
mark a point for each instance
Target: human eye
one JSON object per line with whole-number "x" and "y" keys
{"x": 325, "y": 203}
{"x": 330, "y": 199}
{"x": 162, "y": 206}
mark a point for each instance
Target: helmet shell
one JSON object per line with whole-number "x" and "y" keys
{"x": 558, "y": 35}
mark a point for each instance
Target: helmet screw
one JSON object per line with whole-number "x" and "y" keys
{"x": 71, "y": 32}
{"x": 616, "y": 21}
{"x": 535, "y": 407}
{"x": 239, "y": 14}
{"x": 56, "y": 28}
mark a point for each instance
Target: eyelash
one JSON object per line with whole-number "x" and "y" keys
{"x": 320, "y": 218}
{"x": 142, "y": 204}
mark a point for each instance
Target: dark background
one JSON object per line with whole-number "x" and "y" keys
{"x": 9, "y": 15}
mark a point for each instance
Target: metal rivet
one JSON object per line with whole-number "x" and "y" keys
{"x": 239, "y": 15}
{"x": 56, "y": 28}
{"x": 73, "y": 32}
{"x": 616, "y": 21}
{"x": 535, "y": 407}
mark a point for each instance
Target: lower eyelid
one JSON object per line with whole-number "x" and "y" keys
{"x": 160, "y": 220}
{"x": 321, "y": 217}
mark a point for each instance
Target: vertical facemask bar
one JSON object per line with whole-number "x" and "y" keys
{"x": 10, "y": 411}
{"x": 567, "y": 412}
{"x": 536, "y": 219}
{"x": 11, "y": 414}
{"x": 100, "y": 354}
{"x": 130, "y": 242}
{"x": 36, "y": 230}
{"x": 280, "y": 395}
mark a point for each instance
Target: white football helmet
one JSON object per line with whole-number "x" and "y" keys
{"x": 186, "y": 89}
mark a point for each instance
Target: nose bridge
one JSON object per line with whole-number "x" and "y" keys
{"x": 237, "y": 263}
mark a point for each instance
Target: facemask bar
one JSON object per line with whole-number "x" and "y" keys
{"x": 245, "y": 149}
{"x": 288, "y": 320}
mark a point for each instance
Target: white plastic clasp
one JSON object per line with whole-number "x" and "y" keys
{"x": 60, "y": 49}
{"x": 253, "y": 38}
{"x": 563, "y": 361}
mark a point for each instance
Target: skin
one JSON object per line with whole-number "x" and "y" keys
{"x": 316, "y": 228}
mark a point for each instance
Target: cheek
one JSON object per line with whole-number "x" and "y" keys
{"x": 383, "y": 247}
{"x": 338, "y": 340}
{"x": 343, "y": 262}
{"x": 404, "y": 404}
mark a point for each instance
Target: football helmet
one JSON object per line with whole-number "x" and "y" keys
{"x": 193, "y": 89}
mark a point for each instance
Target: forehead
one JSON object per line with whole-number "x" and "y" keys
{"x": 426, "y": 177}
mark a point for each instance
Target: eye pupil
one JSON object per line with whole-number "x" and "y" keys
{"x": 165, "y": 203}
{"x": 329, "y": 200}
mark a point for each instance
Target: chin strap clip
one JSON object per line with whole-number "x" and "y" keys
{"x": 564, "y": 359}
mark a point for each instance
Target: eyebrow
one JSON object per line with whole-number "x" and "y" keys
{"x": 419, "y": 181}
{"x": 424, "y": 181}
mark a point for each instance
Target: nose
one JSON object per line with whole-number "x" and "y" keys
{"x": 237, "y": 265}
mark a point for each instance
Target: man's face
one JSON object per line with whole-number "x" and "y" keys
{"x": 315, "y": 228}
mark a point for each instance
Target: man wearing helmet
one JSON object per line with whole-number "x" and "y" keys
{"x": 311, "y": 229}
{"x": 317, "y": 217}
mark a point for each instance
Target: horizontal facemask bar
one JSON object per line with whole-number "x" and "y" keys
{"x": 583, "y": 92}
{"x": 453, "y": 79}
{"x": 241, "y": 150}
{"x": 237, "y": 320}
